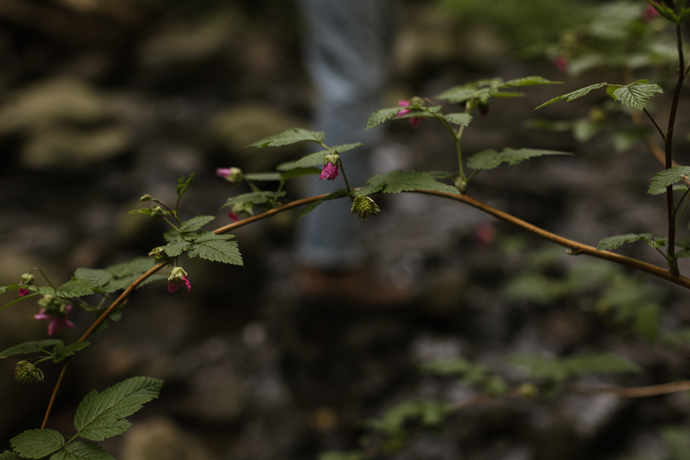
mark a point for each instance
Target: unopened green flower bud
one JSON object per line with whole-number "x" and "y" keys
{"x": 157, "y": 211}
{"x": 159, "y": 255}
{"x": 25, "y": 372}
{"x": 145, "y": 198}
{"x": 364, "y": 207}
{"x": 331, "y": 158}
{"x": 461, "y": 185}
{"x": 28, "y": 278}
{"x": 232, "y": 175}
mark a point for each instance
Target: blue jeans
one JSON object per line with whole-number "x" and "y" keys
{"x": 348, "y": 50}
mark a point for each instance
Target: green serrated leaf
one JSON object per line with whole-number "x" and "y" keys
{"x": 298, "y": 172}
{"x": 489, "y": 159}
{"x": 254, "y": 197}
{"x": 8, "y": 455}
{"x": 97, "y": 277}
{"x": 61, "y": 351}
{"x": 574, "y": 94}
{"x": 666, "y": 178}
{"x": 217, "y": 250}
{"x": 313, "y": 159}
{"x": 195, "y": 223}
{"x": 37, "y": 443}
{"x": 102, "y": 416}
{"x": 263, "y": 177}
{"x": 381, "y": 116}
{"x": 291, "y": 136}
{"x": 74, "y": 288}
{"x": 314, "y": 204}
{"x": 676, "y": 188}
{"x": 613, "y": 242}
{"x": 82, "y": 450}
{"x": 462, "y": 119}
{"x": 635, "y": 94}
{"x": 29, "y": 347}
{"x": 137, "y": 267}
{"x": 534, "y": 80}
{"x": 176, "y": 249}
{"x": 404, "y": 181}
{"x": 316, "y": 158}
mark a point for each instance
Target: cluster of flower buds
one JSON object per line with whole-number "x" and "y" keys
{"x": 159, "y": 255}
{"x": 364, "y": 207}
{"x": 232, "y": 175}
{"x": 55, "y": 310}
{"x": 330, "y": 166}
{"x": 25, "y": 371}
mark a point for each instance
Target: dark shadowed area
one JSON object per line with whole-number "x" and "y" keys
{"x": 102, "y": 101}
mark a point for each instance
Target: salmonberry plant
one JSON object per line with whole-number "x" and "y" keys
{"x": 104, "y": 291}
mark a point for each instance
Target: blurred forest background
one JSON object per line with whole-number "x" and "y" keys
{"x": 102, "y": 101}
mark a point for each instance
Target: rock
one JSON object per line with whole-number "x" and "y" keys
{"x": 243, "y": 124}
{"x": 66, "y": 122}
{"x": 159, "y": 438}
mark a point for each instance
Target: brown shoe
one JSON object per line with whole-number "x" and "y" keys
{"x": 361, "y": 287}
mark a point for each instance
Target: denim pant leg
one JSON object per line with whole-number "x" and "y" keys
{"x": 348, "y": 47}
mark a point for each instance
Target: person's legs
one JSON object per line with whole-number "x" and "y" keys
{"x": 347, "y": 53}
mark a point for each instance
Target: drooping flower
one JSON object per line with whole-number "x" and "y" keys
{"x": 364, "y": 207}
{"x": 329, "y": 172}
{"x": 560, "y": 63}
{"x": 177, "y": 278}
{"x": 56, "y": 314}
{"x": 650, "y": 13}
{"x": 233, "y": 216}
{"x": 330, "y": 166}
{"x": 485, "y": 234}
{"x": 232, "y": 175}
{"x": 28, "y": 279}
{"x": 414, "y": 121}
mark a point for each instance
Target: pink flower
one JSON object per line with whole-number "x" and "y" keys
{"x": 560, "y": 63}
{"x": 329, "y": 171}
{"x": 23, "y": 292}
{"x": 57, "y": 320}
{"x": 233, "y": 216}
{"x": 177, "y": 278}
{"x": 413, "y": 121}
{"x": 650, "y": 13}
{"x": 485, "y": 234}
{"x": 232, "y": 175}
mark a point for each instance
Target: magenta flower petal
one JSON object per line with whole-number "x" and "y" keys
{"x": 329, "y": 172}
{"x": 187, "y": 284}
{"x": 404, "y": 104}
{"x": 233, "y": 216}
{"x": 23, "y": 292}
{"x": 223, "y": 172}
{"x": 42, "y": 314}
